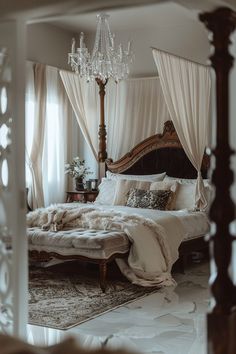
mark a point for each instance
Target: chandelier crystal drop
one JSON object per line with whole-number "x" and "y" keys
{"x": 106, "y": 61}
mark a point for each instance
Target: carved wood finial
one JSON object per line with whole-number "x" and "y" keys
{"x": 169, "y": 127}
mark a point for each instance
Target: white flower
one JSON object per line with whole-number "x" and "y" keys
{"x": 77, "y": 168}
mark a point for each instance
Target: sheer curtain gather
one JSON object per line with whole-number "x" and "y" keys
{"x": 35, "y": 125}
{"x": 49, "y": 117}
{"x": 134, "y": 110}
{"x": 186, "y": 88}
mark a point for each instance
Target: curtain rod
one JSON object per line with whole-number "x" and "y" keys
{"x": 183, "y": 58}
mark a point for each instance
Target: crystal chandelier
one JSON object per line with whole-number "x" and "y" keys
{"x": 106, "y": 61}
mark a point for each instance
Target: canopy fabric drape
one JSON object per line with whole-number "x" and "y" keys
{"x": 83, "y": 98}
{"x": 134, "y": 110}
{"x": 186, "y": 88}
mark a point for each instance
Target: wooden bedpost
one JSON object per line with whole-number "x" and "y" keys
{"x": 221, "y": 322}
{"x": 102, "y": 153}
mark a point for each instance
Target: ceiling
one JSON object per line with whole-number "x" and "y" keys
{"x": 166, "y": 14}
{"x": 35, "y": 9}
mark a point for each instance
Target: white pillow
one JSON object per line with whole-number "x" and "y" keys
{"x": 185, "y": 180}
{"x": 106, "y": 192}
{"x": 185, "y": 196}
{"x": 150, "y": 178}
{"x": 123, "y": 186}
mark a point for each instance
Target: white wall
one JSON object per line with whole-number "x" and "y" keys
{"x": 48, "y": 44}
{"x": 188, "y": 40}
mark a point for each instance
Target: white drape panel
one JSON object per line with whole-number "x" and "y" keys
{"x": 29, "y": 118}
{"x": 134, "y": 110}
{"x": 55, "y": 139}
{"x": 35, "y": 148}
{"x": 84, "y": 97}
{"x": 186, "y": 88}
{"x": 51, "y": 145}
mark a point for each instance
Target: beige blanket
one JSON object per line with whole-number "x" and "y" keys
{"x": 150, "y": 258}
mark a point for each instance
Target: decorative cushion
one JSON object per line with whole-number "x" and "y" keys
{"x": 123, "y": 186}
{"x": 150, "y": 178}
{"x": 106, "y": 193}
{"x": 157, "y": 199}
{"x": 167, "y": 185}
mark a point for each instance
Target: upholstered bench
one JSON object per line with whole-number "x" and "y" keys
{"x": 96, "y": 246}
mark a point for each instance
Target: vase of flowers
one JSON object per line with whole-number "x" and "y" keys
{"x": 77, "y": 170}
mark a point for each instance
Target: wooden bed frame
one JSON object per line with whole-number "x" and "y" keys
{"x": 159, "y": 153}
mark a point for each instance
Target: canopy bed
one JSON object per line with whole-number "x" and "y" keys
{"x": 158, "y": 154}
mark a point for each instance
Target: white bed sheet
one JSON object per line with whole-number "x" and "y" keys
{"x": 195, "y": 223}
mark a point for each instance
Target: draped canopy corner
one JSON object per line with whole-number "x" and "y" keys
{"x": 186, "y": 88}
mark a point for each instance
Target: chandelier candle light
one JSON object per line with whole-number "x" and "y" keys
{"x": 105, "y": 62}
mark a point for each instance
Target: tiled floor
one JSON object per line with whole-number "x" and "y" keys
{"x": 171, "y": 321}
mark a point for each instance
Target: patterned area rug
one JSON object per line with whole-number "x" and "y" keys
{"x": 64, "y": 300}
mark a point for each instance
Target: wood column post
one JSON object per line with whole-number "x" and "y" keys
{"x": 102, "y": 153}
{"x": 222, "y": 319}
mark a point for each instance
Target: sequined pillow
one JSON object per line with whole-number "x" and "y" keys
{"x": 157, "y": 199}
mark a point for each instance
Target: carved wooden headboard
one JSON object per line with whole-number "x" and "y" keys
{"x": 159, "y": 153}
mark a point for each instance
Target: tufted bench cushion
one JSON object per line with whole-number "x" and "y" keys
{"x": 94, "y": 244}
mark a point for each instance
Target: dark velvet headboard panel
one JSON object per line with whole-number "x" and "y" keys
{"x": 159, "y": 153}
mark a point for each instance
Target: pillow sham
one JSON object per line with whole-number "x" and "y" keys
{"x": 123, "y": 186}
{"x": 156, "y": 199}
{"x": 167, "y": 185}
{"x": 185, "y": 180}
{"x": 106, "y": 193}
{"x": 185, "y": 197}
{"x": 150, "y": 178}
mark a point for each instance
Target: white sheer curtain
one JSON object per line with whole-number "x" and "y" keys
{"x": 51, "y": 143}
{"x": 29, "y": 118}
{"x": 134, "y": 110}
{"x": 186, "y": 88}
{"x": 55, "y": 139}
{"x": 35, "y": 125}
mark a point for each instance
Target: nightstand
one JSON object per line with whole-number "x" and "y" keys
{"x": 82, "y": 196}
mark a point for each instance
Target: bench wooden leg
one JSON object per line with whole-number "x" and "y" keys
{"x": 103, "y": 275}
